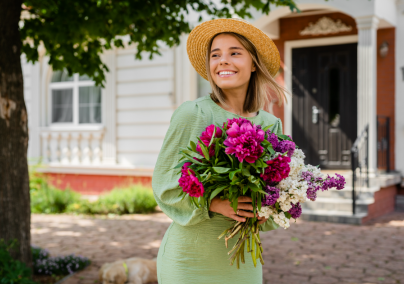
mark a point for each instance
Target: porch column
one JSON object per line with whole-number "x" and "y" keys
{"x": 367, "y": 64}
{"x": 109, "y": 110}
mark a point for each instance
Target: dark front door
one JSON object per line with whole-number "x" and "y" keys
{"x": 324, "y": 103}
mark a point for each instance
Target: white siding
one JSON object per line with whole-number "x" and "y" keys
{"x": 30, "y": 74}
{"x": 144, "y": 105}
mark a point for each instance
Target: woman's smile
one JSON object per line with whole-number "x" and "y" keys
{"x": 226, "y": 73}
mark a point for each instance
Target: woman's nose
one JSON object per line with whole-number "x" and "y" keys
{"x": 223, "y": 60}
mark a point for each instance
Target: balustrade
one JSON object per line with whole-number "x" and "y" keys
{"x": 72, "y": 147}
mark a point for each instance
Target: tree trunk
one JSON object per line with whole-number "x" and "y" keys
{"x": 14, "y": 182}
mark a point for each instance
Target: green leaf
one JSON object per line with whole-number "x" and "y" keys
{"x": 253, "y": 187}
{"x": 217, "y": 191}
{"x": 270, "y": 149}
{"x": 191, "y": 153}
{"x": 277, "y": 206}
{"x": 221, "y": 170}
{"x": 245, "y": 189}
{"x": 246, "y": 172}
{"x": 193, "y": 146}
{"x": 213, "y": 137}
{"x": 259, "y": 202}
{"x": 234, "y": 205}
{"x": 180, "y": 164}
{"x": 232, "y": 173}
{"x": 267, "y": 127}
{"x": 284, "y": 137}
{"x": 288, "y": 215}
{"x": 193, "y": 160}
{"x": 204, "y": 149}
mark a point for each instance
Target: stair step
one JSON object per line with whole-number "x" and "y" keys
{"x": 332, "y": 216}
{"x": 338, "y": 204}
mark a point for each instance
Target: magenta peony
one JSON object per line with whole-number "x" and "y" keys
{"x": 189, "y": 182}
{"x": 239, "y": 122}
{"x": 277, "y": 169}
{"x": 206, "y": 136}
{"x": 244, "y": 142}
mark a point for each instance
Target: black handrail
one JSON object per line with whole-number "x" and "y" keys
{"x": 360, "y": 159}
{"x": 383, "y": 142}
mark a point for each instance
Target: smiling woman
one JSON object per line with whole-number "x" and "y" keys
{"x": 235, "y": 67}
{"x": 240, "y": 73}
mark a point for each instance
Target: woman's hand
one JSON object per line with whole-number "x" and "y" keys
{"x": 244, "y": 205}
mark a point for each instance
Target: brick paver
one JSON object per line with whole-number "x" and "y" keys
{"x": 308, "y": 252}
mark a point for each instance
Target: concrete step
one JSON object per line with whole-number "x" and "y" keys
{"x": 338, "y": 205}
{"x": 346, "y": 193}
{"x": 332, "y": 216}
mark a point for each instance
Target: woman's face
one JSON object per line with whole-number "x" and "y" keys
{"x": 230, "y": 63}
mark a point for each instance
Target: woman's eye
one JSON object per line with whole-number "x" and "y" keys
{"x": 215, "y": 55}
{"x": 235, "y": 53}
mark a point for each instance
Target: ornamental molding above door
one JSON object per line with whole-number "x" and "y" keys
{"x": 325, "y": 25}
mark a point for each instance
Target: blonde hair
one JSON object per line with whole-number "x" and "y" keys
{"x": 257, "y": 93}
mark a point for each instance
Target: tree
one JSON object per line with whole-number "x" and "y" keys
{"x": 74, "y": 33}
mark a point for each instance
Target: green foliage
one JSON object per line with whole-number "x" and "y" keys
{"x": 45, "y": 198}
{"x": 12, "y": 271}
{"x": 52, "y": 200}
{"x": 134, "y": 199}
{"x": 75, "y": 32}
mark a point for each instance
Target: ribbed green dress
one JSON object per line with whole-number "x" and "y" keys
{"x": 190, "y": 252}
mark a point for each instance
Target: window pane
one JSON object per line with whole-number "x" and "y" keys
{"x": 203, "y": 87}
{"x": 61, "y": 76}
{"x": 84, "y": 78}
{"x": 62, "y": 105}
{"x": 90, "y": 104}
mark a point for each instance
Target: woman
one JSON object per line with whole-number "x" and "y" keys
{"x": 239, "y": 61}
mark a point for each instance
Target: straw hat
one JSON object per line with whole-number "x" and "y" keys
{"x": 198, "y": 40}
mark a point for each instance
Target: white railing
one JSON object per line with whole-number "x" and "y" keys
{"x": 71, "y": 147}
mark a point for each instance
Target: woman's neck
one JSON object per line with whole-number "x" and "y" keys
{"x": 235, "y": 102}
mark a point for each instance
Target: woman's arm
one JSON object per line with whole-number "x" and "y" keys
{"x": 186, "y": 124}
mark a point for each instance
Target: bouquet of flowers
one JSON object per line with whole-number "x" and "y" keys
{"x": 243, "y": 159}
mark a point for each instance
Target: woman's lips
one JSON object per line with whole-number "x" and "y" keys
{"x": 225, "y": 74}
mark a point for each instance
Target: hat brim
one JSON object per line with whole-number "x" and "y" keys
{"x": 198, "y": 40}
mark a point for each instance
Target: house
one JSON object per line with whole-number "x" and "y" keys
{"x": 343, "y": 62}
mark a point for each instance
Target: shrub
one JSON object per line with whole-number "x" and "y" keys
{"x": 12, "y": 271}
{"x": 134, "y": 199}
{"x": 52, "y": 200}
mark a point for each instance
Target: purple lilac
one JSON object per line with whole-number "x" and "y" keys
{"x": 272, "y": 138}
{"x": 315, "y": 184}
{"x": 286, "y": 146}
{"x": 296, "y": 210}
{"x": 272, "y": 197}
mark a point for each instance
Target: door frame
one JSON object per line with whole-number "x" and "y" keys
{"x": 289, "y": 45}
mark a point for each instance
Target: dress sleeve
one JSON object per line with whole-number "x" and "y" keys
{"x": 187, "y": 122}
{"x": 270, "y": 224}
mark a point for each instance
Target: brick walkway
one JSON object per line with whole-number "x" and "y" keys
{"x": 306, "y": 253}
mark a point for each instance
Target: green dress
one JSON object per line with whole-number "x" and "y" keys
{"x": 190, "y": 252}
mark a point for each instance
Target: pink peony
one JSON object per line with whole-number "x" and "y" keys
{"x": 244, "y": 142}
{"x": 239, "y": 122}
{"x": 206, "y": 136}
{"x": 277, "y": 169}
{"x": 189, "y": 182}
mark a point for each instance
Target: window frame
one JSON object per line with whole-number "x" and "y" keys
{"x": 75, "y": 84}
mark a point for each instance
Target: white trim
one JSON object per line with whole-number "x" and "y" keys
{"x": 97, "y": 170}
{"x": 289, "y": 45}
{"x": 75, "y": 85}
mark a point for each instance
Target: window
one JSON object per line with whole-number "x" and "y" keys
{"x": 74, "y": 99}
